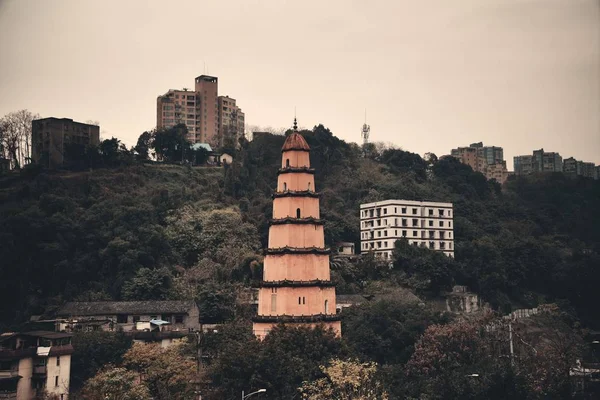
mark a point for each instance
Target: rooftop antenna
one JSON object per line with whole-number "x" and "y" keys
{"x": 366, "y": 130}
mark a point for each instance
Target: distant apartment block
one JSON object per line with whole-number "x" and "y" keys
{"x": 207, "y": 115}
{"x": 573, "y": 167}
{"x": 422, "y": 223}
{"x": 34, "y": 365}
{"x": 231, "y": 119}
{"x": 539, "y": 161}
{"x": 50, "y": 138}
{"x": 489, "y": 160}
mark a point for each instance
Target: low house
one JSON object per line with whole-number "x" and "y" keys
{"x": 345, "y": 249}
{"x": 163, "y": 321}
{"x": 33, "y": 364}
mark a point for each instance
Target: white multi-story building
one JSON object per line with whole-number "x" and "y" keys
{"x": 422, "y": 223}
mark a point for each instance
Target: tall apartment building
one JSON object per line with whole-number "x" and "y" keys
{"x": 33, "y": 364}
{"x": 231, "y": 120}
{"x": 50, "y": 138}
{"x": 422, "y": 223}
{"x": 200, "y": 110}
{"x": 489, "y": 160}
{"x": 573, "y": 167}
{"x": 539, "y": 161}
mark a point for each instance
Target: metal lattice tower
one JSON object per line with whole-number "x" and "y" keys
{"x": 366, "y": 130}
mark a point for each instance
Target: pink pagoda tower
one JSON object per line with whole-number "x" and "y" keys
{"x": 296, "y": 287}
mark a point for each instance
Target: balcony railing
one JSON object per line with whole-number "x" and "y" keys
{"x": 9, "y": 373}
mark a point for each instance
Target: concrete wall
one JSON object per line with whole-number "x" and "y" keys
{"x": 62, "y": 371}
{"x": 296, "y": 267}
{"x": 296, "y": 235}
{"x": 296, "y": 158}
{"x": 296, "y": 300}
{"x": 296, "y": 181}
{"x": 24, "y": 390}
{"x": 286, "y": 207}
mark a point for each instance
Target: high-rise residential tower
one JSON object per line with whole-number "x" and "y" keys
{"x": 202, "y": 110}
{"x": 296, "y": 287}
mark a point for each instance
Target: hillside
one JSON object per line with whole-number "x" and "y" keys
{"x": 165, "y": 231}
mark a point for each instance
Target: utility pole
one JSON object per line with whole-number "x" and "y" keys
{"x": 510, "y": 338}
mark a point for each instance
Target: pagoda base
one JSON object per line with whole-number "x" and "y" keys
{"x": 262, "y": 329}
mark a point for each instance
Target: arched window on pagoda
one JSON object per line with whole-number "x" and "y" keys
{"x": 297, "y": 213}
{"x": 326, "y": 306}
{"x": 284, "y": 186}
{"x": 287, "y": 162}
{"x": 309, "y": 186}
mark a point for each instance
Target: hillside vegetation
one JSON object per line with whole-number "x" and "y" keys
{"x": 159, "y": 231}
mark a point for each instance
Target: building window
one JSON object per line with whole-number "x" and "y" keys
{"x": 385, "y": 210}
{"x": 56, "y": 381}
{"x": 384, "y": 233}
{"x": 297, "y": 213}
{"x": 284, "y": 186}
{"x": 287, "y": 162}
{"x": 385, "y": 244}
{"x": 378, "y": 244}
{"x": 403, "y": 233}
{"x": 441, "y": 223}
{"x": 58, "y": 361}
{"x": 441, "y": 235}
{"x": 326, "y": 306}
{"x": 303, "y": 300}
{"x": 441, "y": 213}
{"x": 273, "y": 303}
{"x": 404, "y": 222}
{"x": 430, "y": 223}
{"x": 121, "y": 318}
{"x": 309, "y": 186}
{"x": 430, "y": 211}
{"x": 432, "y": 245}
{"x": 136, "y": 318}
{"x": 403, "y": 210}
{"x": 378, "y": 233}
{"x": 415, "y": 222}
{"x": 414, "y": 211}
{"x": 415, "y": 233}
{"x": 299, "y": 300}
{"x": 179, "y": 319}
{"x": 395, "y": 210}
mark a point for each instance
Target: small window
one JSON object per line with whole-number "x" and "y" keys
{"x": 441, "y": 223}
{"x": 415, "y": 222}
{"x": 297, "y": 213}
{"x": 441, "y": 213}
{"x": 326, "y": 306}
{"x": 430, "y": 212}
{"x": 284, "y": 186}
{"x": 179, "y": 319}
{"x": 403, "y": 210}
{"x": 136, "y": 318}
{"x": 299, "y": 300}
{"x": 58, "y": 361}
{"x": 414, "y": 211}
{"x": 404, "y": 233}
{"x": 287, "y": 162}
{"x": 430, "y": 223}
{"x": 415, "y": 233}
{"x": 56, "y": 381}
{"x": 121, "y": 318}
{"x": 385, "y": 210}
{"x": 309, "y": 186}
{"x": 378, "y": 233}
{"x": 395, "y": 210}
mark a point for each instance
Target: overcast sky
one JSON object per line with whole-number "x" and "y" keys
{"x": 432, "y": 75}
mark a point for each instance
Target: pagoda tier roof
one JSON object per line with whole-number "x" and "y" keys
{"x": 291, "y": 220}
{"x": 298, "y": 250}
{"x": 296, "y": 193}
{"x": 297, "y": 318}
{"x": 288, "y": 283}
{"x": 295, "y": 141}
{"x": 306, "y": 170}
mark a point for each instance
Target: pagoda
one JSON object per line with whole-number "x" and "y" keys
{"x": 296, "y": 287}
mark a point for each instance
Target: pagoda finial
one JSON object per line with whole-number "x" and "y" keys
{"x": 295, "y": 125}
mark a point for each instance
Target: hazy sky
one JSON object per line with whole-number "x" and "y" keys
{"x": 433, "y": 75}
